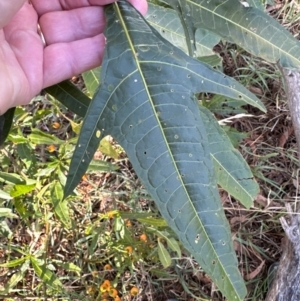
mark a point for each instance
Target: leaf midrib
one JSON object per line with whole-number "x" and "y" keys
{"x": 117, "y": 9}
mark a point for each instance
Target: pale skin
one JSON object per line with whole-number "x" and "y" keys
{"x": 73, "y": 31}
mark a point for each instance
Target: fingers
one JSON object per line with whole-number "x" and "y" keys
{"x": 64, "y": 60}
{"x": 76, "y": 24}
{"x": 8, "y": 9}
{"x": 43, "y": 7}
{"x": 22, "y": 38}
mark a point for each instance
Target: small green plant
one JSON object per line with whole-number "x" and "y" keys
{"x": 147, "y": 100}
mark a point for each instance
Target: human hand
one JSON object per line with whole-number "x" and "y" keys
{"x": 74, "y": 43}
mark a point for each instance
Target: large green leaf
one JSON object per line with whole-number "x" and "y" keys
{"x": 146, "y": 101}
{"x": 167, "y": 23}
{"x": 232, "y": 171}
{"x": 247, "y": 27}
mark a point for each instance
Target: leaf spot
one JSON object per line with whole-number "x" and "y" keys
{"x": 197, "y": 238}
{"x": 145, "y": 153}
{"x": 158, "y": 68}
{"x": 82, "y": 160}
{"x": 188, "y": 76}
{"x": 190, "y": 155}
{"x": 135, "y": 80}
{"x": 114, "y": 107}
{"x": 171, "y": 52}
{"x": 183, "y": 97}
{"x": 130, "y": 126}
{"x": 110, "y": 87}
{"x": 202, "y": 81}
{"x": 98, "y": 133}
{"x": 172, "y": 90}
{"x": 176, "y": 137}
{"x": 223, "y": 243}
{"x": 79, "y": 145}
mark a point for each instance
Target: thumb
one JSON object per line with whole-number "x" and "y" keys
{"x": 8, "y": 8}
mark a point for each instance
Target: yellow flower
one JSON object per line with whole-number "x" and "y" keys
{"x": 51, "y": 148}
{"x": 143, "y": 237}
{"x": 113, "y": 292}
{"x": 107, "y": 267}
{"x": 56, "y": 125}
{"x": 105, "y": 286}
{"x": 134, "y": 291}
{"x": 129, "y": 250}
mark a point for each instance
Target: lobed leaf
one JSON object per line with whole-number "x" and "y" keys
{"x": 146, "y": 102}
